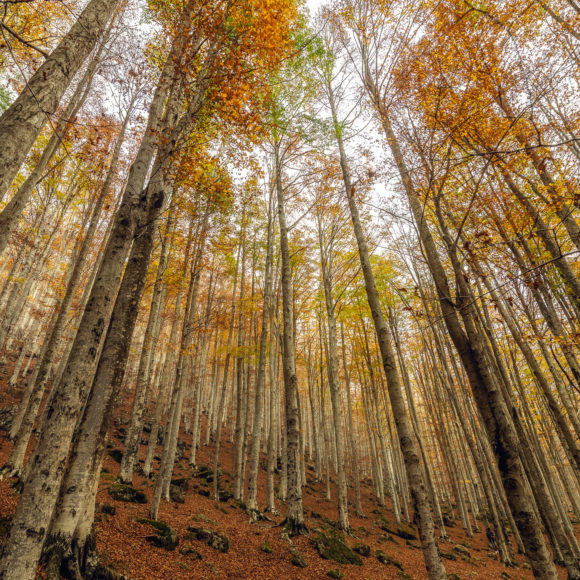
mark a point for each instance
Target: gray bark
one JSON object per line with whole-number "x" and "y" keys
{"x": 252, "y": 503}
{"x": 295, "y": 516}
{"x": 433, "y": 563}
{"x": 135, "y": 428}
{"x": 22, "y": 122}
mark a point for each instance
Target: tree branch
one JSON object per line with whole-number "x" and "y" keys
{"x": 20, "y": 39}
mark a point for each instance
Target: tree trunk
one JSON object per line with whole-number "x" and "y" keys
{"x": 11, "y": 213}
{"x": 433, "y": 563}
{"x": 39, "y": 495}
{"x": 489, "y": 399}
{"x": 333, "y": 381}
{"x": 252, "y": 502}
{"x": 295, "y": 515}
{"x": 353, "y": 446}
{"x": 135, "y": 428}
{"x": 29, "y": 411}
{"x": 89, "y": 441}
{"x": 22, "y": 122}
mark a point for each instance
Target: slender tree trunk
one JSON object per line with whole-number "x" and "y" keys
{"x": 252, "y": 501}
{"x": 135, "y": 428}
{"x": 353, "y": 446}
{"x": 198, "y": 399}
{"x": 222, "y": 392}
{"x": 468, "y": 344}
{"x": 333, "y": 381}
{"x": 433, "y": 563}
{"x": 274, "y": 415}
{"x": 239, "y": 366}
{"x": 295, "y": 515}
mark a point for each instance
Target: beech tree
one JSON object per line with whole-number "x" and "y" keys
{"x": 179, "y": 274}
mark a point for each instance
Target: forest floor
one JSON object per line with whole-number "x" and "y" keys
{"x": 123, "y": 546}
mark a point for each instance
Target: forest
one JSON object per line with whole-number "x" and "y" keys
{"x": 289, "y": 289}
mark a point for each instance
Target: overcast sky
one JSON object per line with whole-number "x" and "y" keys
{"x": 313, "y": 5}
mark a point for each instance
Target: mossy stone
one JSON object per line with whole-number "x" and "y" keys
{"x": 176, "y": 494}
{"x": 105, "y": 508}
{"x": 189, "y": 551}
{"x": 401, "y": 530}
{"x": 298, "y": 559}
{"x": 203, "y": 518}
{"x": 116, "y": 454}
{"x": 362, "y": 549}
{"x": 387, "y": 560}
{"x": 204, "y": 472}
{"x": 332, "y": 548}
{"x": 126, "y": 493}
{"x": 213, "y": 539}
{"x": 166, "y": 537}
{"x": 265, "y": 547}
{"x": 363, "y": 531}
{"x": 182, "y": 482}
{"x": 225, "y": 495}
{"x": 461, "y": 550}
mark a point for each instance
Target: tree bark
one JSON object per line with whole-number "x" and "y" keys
{"x": 135, "y": 428}
{"x": 468, "y": 344}
{"x": 295, "y": 515}
{"x": 252, "y": 502}
{"x": 433, "y": 563}
{"x": 22, "y": 122}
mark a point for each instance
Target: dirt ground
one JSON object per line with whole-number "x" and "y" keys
{"x": 122, "y": 544}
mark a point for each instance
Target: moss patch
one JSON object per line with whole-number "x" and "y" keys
{"x": 166, "y": 536}
{"x": 297, "y": 558}
{"x": 216, "y": 540}
{"x": 362, "y": 549}
{"x": 332, "y": 548}
{"x": 126, "y": 493}
{"x": 401, "y": 530}
{"x": 387, "y": 560}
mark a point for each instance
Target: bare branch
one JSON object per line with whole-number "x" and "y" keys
{"x": 19, "y": 38}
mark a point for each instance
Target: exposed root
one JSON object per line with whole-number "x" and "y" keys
{"x": 257, "y": 516}
{"x": 76, "y": 560}
{"x": 507, "y": 562}
{"x": 61, "y": 563}
{"x": 293, "y": 527}
{"x": 8, "y": 472}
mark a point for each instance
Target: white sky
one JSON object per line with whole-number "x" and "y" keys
{"x": 314, "y": 5}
